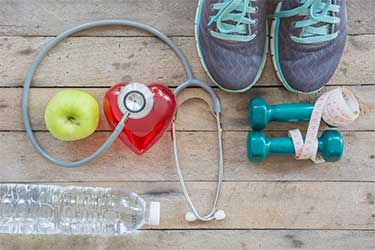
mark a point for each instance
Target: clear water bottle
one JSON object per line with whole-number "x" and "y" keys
{"x": 49, "y": 209}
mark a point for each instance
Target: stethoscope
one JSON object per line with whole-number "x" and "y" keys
{"x": 135, "y": 101}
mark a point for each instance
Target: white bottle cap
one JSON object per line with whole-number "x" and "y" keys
{"x": 154, "y": 213}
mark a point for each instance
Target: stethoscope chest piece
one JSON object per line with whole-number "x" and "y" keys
{"x": 136, "y": 99}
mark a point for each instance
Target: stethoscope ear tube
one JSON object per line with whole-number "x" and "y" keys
{"x": 199, "y": 83}
{"x": 214, "y": 213}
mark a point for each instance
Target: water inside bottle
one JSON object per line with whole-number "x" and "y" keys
{"x": 49, "y": 209}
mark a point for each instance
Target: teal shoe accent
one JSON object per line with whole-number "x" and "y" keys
{"x": 317, "y": 12}
{"x": 275, "y": 56}
{"x": 308, "y": 38}
{"x": 233, "y": 11}
{"x": 201, "y": 57}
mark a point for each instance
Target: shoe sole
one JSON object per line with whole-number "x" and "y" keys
{"x": 276, "y": 66}
{"x": 197, "y": 46}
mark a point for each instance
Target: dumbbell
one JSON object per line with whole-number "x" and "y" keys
{"x": 261, "y": 113}
{"x": 330, "y": 146}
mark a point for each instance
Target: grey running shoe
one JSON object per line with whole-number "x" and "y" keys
{"x": 232, "y": 42}
{"x": 307, "y": 41}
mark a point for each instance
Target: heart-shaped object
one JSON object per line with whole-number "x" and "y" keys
{"x": 141, "y": 134}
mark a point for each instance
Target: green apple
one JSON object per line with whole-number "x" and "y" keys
{"x": 72, "y": 115}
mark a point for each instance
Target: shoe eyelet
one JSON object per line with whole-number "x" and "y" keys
{"x": 212, "y": 6}
{"x": 294, "y": 24}
{"x": 256, "y": 21}
{"x": 256, "y": 10}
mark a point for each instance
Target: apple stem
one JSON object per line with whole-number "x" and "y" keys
{"x": 72, "y": 120}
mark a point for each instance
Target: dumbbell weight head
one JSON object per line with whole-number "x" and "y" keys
{"x": 259, "y": 113}
{"x": 259, "y": 146}
{"x": 331, "y": 145}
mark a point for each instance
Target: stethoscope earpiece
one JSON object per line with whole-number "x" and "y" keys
{"x": 219, "y": 215}
{"x": 136, "y": 99}
{"x": 190, "y": 217}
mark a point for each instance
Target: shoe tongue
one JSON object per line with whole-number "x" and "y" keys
{"x": 290, "y": 4}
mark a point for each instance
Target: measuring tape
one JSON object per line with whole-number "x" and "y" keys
{"x": 338, "y": 107}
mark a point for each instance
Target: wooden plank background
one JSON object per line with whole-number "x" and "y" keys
{"x": 280, "y": 204}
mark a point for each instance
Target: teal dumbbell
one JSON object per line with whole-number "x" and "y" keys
{"x": 330, "y": 147}
{"x": 261, "y": 113}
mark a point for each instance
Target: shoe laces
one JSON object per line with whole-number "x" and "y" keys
{"x": 319, "y": 26}
{"x": 233, "y": 20}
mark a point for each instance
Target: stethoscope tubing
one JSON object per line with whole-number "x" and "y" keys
{"x": 191, "y": 81}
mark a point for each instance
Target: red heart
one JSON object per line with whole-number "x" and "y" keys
{"x": 141, "y": 134}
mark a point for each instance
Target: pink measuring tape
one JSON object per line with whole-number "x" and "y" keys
{"x": 338, "y": 107}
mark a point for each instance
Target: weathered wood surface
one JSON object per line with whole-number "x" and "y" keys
{"x": 203, "y": 240}
{"x": 281, "y": 204}
{"x": 103, "y": 61}
{"x": 194, "y": 115}
{"x": 198, "y": 153}
{"x": 48, "y": 18}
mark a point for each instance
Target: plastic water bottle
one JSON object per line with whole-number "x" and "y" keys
{"x": 49, "y": 209}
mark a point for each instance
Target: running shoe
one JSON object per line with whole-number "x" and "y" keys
{"x": 307, "y": 42}
{"x": 232, "y": 43}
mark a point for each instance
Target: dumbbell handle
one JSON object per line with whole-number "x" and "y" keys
{"x": 261, "y": 113}
{"x": 291, "y": 112}
{"x": 284, "y": 146}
